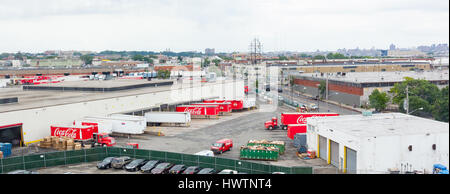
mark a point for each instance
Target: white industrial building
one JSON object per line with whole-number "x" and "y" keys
{"x": 379, "y": 143}
{"x": 28, "y": 120}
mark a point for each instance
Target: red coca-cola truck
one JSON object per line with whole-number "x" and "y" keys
{"x": 83, "y": 134}
{"x": 293, "y": 118}
{"x": 200, "y": 111}
{"x": 224, "y": 107}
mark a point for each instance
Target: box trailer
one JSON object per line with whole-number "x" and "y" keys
{"x": 171, "y": 118}
{"x": 249, "y": 103}
{"x": 300, "y": 118}
{"x": 224, "y": 107}
{"x": 200, "y": 111}
{"x": 125, "y": 124}
{"x": 235, "y": 104}
{"x": 100, "y": 126}
{"x": 294, "y": 129}
{"x": 83, "y": 134}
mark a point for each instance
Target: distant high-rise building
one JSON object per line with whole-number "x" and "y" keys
{"x": 392, "y": 47}
{"x": 209, "y": 51}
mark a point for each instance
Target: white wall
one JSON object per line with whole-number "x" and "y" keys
{"x": 36, "y": 122}
{"x": 377, "y": 155}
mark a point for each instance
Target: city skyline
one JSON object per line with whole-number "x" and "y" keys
{"x": 37, "y": 26}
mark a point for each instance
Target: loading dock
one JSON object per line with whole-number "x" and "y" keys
{"x": 12, "y": 134}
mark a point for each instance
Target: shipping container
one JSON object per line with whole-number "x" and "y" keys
{"x": 177, "y": 118}
{"x": 200, "y": 111}
{"x": 294, "y": 129}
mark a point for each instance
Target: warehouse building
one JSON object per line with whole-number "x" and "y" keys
{"x": 27, "y": 117}
{"x": 354, "y": 88}
{"x": 379, "y": 143}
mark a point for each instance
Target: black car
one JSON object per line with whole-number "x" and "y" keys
{"x": 22, "y": 172}
{"x": 120, "y": 162}
{"x": 147, "y": 167}
{"x": 192, "y": 170}
{"x": 105, "y": 163}
{"x": 177, "y": 169}
{"x": 162, "y": 168}
{"x": 135, "y": 165}
{"x": 207, "y": 171}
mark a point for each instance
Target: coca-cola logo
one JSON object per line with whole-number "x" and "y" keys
{"x": 195, "y": 111}
{"x": 301, "y": 120}
{"x": 70, "y": 132}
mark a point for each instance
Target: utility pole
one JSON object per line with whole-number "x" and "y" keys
{"x": 406, "y": 104}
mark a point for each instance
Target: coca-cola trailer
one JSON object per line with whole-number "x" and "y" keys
{"x": 224, "y": 107}
{"x": 300, "y": 118}
{"x": 200, "y": 111}
{"x": 294, "y": 129}
{"x": 236, "y": 105}
{"x": 83, "y": 134}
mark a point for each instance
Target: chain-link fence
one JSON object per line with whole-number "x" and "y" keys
{"x": 50, "y": 159}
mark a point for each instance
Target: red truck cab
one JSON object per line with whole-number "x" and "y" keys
{"x": 222, "y": 146}
{"x": 104, "y": 139}
{"x": 246, "y": 89}
{"x": 273, "y": 124}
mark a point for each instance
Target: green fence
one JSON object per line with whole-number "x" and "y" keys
{"x": 50, "y": 159}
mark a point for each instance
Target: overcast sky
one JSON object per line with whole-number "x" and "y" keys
{"x": 226, "y": 25}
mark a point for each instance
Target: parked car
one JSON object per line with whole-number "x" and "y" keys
{"x": 192, "y": 170}
{"x": 207, "y": 171}
{"x": 222, "y": 146}
{"x": 228, "y": 171}
{"x": 105, "y": 163}
{"x": 162, "y": 168}
{"x": 22, "y": 172}
{"x": 147, "y": 167}
{"x": 177, "y": 169}
{"x": 278, "y": 173}
{"x": 120, "y": 162}
{"x": 135, "y": 165}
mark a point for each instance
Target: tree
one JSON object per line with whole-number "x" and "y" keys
{"x": 206, "y": 62}
{"x": 378, "y": 100}
{"x": 417, "y": 89}
{"x": 216, "y": 61}
{"x": 284, "y": 58}
{"x": 87, "y": 59}
{"x": 322, "y": 89}
{"x": 319, "y": 57}
{"x": 163, "y": 74}
{"x": 138, "y": 57}
{"x": 440, "y": 107}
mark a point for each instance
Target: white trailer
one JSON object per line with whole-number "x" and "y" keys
{"x": 104, "y": 126}
{"x": 125, "y": 124}
{"x": 177, "y": 118}
{"x": 249, "y": 103}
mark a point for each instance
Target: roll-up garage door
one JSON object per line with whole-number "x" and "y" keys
{"x": 334, "y": 153}
{"x": 351, "y": 161}
{"x": 323, "y": 147}
{"x": 11, "y": 134}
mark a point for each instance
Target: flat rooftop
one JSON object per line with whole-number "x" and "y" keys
{"x": 381, "y": 124}
{"x": 29, "y": 99}
{"x": 377, "y": 77}
{"x": 98, "y": 85}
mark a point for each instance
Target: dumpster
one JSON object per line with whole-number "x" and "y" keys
{"x": 259, "y": 153}
{"x": 279, "y": 144}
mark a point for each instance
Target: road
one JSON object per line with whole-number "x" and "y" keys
{"x": 323, "y": 106}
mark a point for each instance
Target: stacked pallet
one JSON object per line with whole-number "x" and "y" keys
{"x": 77, "y": 146}
{"x": 58, "y": 143}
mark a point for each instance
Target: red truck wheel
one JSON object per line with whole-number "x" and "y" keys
{"x": 270, "y": 128}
